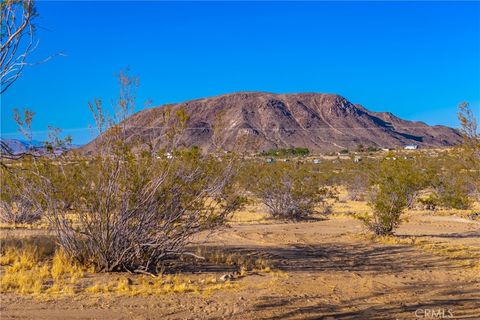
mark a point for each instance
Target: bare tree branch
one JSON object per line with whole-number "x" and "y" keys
{"x": 17, "y": 39}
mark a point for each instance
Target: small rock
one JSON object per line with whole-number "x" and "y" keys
{"x": 226, "y": 277}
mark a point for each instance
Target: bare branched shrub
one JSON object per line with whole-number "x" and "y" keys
{"x": 19, "y": 211}
{"x": 16, "y": 205}
{"x": 132, "y": 210}
{"x": 289, "y": 191}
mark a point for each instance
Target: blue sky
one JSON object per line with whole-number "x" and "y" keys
{"x": 418, "y": 60}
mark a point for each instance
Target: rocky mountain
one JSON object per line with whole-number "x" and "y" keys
{"x": 16, "y": 146}
{"x": 257, "y": 121}
{"x": 34, "y": 147}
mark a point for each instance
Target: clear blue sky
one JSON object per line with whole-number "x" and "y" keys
{"x": 415, "y": 59}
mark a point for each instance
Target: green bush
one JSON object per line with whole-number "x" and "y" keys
{"x": 393, "y": 189}
{"x": 451, "y": 190}
{"x": 290, "y": 191}
{"x": 286, "y": 152}
{"x": 470, "y": 150}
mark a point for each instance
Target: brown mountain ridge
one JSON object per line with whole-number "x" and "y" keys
{"x": 257, "y": 121}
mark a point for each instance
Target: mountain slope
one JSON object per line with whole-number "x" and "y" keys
{"x": 256, "y": 121}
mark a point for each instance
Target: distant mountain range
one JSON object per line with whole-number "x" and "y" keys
{"x": 320, "y": 122}
{"x": 17, "y": 146}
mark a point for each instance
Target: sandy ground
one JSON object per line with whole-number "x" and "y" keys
{"x": 330, "y": 271}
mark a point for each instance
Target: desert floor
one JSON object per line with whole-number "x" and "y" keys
{"x": 322, "y": 269}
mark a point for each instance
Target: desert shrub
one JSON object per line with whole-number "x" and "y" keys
{"x": 454, "y": 176}
{"x": 357, "y": 186}
{"x": 451, "y": 190}
{"x": 290, "y": 191}
{"x": 23, "y": 196}
{"x": 353, "y": 176}
{"x": 428, "y": 203}
{"x": 286, "y": 152}
{"x": 469, "y": 151}
{"x": 131, "y": 209}
{"x": 393, "y": 189}
{"x": 16, "y": 207}
{"x": 19, "y": 211}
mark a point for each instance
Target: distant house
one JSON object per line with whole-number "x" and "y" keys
{"x": 411, "y": 147}
{"x": 357, "y": 159}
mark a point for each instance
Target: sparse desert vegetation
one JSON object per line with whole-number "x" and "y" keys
{"x": 227, "y": 233}
{"x": 245, "y": 205}
{"x": 290, "y": 191}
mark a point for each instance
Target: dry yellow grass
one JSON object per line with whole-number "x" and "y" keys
{"x": 26, "y": 270}
{"x": 43, "y": 245}
{"x": 357, "y": 209}
{"x": 62, "y": 266}
{"x": 350, "y": 208}
{"x": 253, "y": 212}
{"x": 163, "y": 284}
{"x": 30, "y": 266}
{"x": 460, "y": 254}
{"x": 25, "y": 273}
{"x": 41, "y": 224}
